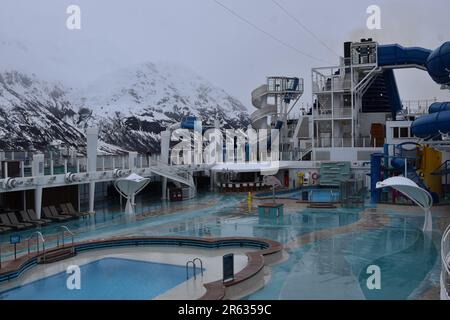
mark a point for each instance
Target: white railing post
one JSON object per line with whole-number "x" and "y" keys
{"x": 445, "y": 259}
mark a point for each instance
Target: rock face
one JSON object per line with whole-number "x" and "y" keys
{"x": 131, "y": 107}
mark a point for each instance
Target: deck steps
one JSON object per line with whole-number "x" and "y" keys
{"x": 321, "y": 205}
{"x": 333, "y": 173}
{"x": 57, "y": 255}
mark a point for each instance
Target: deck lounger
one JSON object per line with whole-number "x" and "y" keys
{"x": 48, "y": 215}
{"x": 26, "y": 218}
{"x": 33, "y": 216}
{"x": 4, "y": 220}
{"x": 70, "y": 210}
{"x": 54, "y": 212}
{"x": 12, "y": 217}
{"x": 4, "y": 229}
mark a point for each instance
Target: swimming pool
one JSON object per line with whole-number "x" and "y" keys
{"x": 312, "y": 194}
{"x": 105, "y": 279}
{"x": 331, "y": 268}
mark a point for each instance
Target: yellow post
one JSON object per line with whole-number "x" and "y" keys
{"x": 301, "y": 178}
{"x": 431, "y": 160}
{"x": 250, "y": 201}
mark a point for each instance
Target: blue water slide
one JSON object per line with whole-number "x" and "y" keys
{"x": 439, "y": 107}
{"x": 188, "y": 123}
{"x": 396, "y": 55}
{"x": 431, "y": 125}
{"x": 438, "y": 121}
{"x": 399, "y": 164}
{"x": 438, "y": 64}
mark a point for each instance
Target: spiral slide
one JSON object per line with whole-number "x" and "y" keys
{"x": 259, "y": 101}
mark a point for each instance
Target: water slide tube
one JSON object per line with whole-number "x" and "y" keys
{"x": 438, "y": 121}
{"x": 399, "y": 164}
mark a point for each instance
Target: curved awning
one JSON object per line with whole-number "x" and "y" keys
{"x": 129, "y": 187}
{"x": 411, "y": 190}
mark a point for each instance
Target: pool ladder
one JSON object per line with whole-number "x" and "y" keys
{"x": 38, "y": 236}
{"x": 194, "y": 267}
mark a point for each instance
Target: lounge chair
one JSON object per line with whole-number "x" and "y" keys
{"x": 67, "y": 208}
{"x": 33, "y": 216}
{"x": 4, "y": 229}
{"x": 4, "y": 221}
{"x": 13, "y": 218}
{"x": 26, "y": 218}
{"x": 55, "y": 213}
{"x": 48, "y": 214}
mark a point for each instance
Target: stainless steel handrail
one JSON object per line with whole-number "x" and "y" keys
{"x": 38, "y": 235}
{"x": 63, "y": 230}
{"x": 445, "y": 258}
{"x": 187, "y": 269}
{"x": 201, "y": 264}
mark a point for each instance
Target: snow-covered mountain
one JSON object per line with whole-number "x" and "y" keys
{"x": 131, "y": 107}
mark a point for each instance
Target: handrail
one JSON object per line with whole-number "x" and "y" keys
{"x": 187, "y": 269}
{"x": 38, "y": 235}
{"x": 445, "y": 257}
{"x": 201, "y": 264}
{"x": 65, "y": 229}
{"x": 442, "y": 166}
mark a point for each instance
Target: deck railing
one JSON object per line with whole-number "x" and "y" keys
{"x": 445, "y": 257}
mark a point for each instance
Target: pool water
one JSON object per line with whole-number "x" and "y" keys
{"x": 105, "y": 279}
{"x": 333, "y": 268}
{"x": 336, "y": 268}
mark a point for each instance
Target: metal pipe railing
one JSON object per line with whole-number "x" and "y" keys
{"x": 201, "y": 264}
{"x": 445, "y": 257}
{"x": 63, "y": 230}
{"x": 187, "y": 269}
{"x": 38, "y": 235}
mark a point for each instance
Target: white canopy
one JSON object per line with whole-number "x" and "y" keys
{"x": 272, "y": 181}
{"x": 265, "y": 168}
{"x": 411, "y": 190}
{"x": 129, "y": 187}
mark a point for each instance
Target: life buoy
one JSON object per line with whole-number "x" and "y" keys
{"x": 315, "y": 176}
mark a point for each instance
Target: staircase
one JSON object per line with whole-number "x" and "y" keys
{"x": 57, "y": 255}
{"x": 321, "y": 205}
{"x": 332, "y": 173}
{"x": 61, "y": 252}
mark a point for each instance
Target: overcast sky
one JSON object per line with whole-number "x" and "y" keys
{"x": 205, "y": 37}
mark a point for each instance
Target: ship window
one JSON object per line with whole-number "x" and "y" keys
{"x": 395, "y": 133}
{"x": 404, "y": 132}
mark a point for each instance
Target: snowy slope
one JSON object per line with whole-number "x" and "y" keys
{"x": 131, "y": 106}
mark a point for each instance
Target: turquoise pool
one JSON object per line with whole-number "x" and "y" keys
{"x": 334, "y": 268}
{"x": 312, "y": 194}
{"x": 105, "y": 279}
